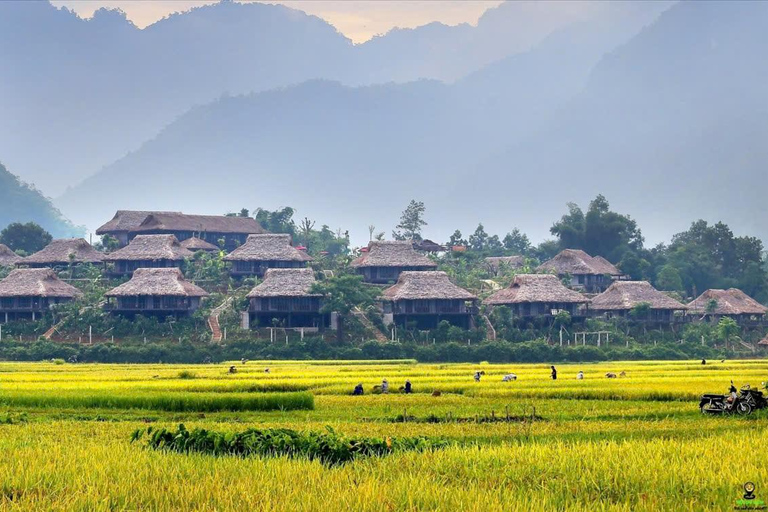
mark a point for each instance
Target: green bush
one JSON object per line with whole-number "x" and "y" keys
{"x": 327, "y": 447}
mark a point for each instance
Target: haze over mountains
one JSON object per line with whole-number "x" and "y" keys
{"x": 668, "y": 121}
{"x": 95, "y": 89}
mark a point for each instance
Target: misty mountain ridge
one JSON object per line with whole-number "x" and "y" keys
{"x": 655, "y": 142}
{"x": 105, "y": 85}
{"x": 23, "y": 203}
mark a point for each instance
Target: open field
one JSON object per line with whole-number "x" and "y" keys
{"x": 632, "y": 443}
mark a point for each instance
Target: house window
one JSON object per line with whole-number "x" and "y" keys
{"x": 25, "y": 302}
{"x": 387, "y": 272}
{"x": 281, "y": 304}
{"x": 422, "y": 306}
{"x": 6, "y": 303}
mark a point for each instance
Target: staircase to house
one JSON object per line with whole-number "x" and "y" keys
{"x": 747, "y": 345}
{"x": 50, "y": 332}
{"x": 368, "y": 325}
{"x": 213, "y": 321}
{"x": 490, "y": 330}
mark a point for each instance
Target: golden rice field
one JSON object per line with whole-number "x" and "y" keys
{"x": 632, "y": 443}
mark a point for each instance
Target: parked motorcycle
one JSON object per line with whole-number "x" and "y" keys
{"x": 743, "y": 403}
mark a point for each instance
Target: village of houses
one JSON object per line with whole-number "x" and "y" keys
{"x": 153, "y": 246}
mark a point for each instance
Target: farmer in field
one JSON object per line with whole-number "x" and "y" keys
{"x": 554, "y": 373}
{"x": 358, "y": 390}
{"x": 580, "y": 375}
{"x": 477, "y": 376}
{"x": 509, "y": 377}
{"x": 408, "y": 388}
{"x": 384, "y": 387}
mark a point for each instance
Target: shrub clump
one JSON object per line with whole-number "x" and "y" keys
{"x": 329, "y": 447}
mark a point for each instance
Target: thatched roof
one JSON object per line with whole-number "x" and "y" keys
{"x": 429, "y": 246}
{"x": 8, "y": 258}
{"x": 729, "y": 302}
{"x": 198, "y": 223}
{"x": 165, "y": 282}
{"x": 195, "y": 244}
{"x": 392, "y": 254}
{"x": 58, "y": 252}
{"x": 578, "y": 262}
{"x": 36, "y": 282}
{"x": 495, "y": 263}
{"x": 127, "y": 220}
{"x": 536, "y": 288}
{"x": 624, "y": 295}
{"x": 431, "y": 284}
{"x": 269, "y": 247}
{"x": 286, "y": 282}
{"x": 151, "y": 248}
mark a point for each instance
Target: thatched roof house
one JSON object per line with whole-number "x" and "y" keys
{"x": 234, "y": 230}
{"x": 285, "y": 282}
{"x": 429, "y": 246}
{"x": 426, "y": 285}
{"x": 156, "y": 291}
{"x": 494, "y": 264}
{"x": 261, "y": 252}
{"x": 732, "y": 303}
{"x": 62, "y": 252}
{"x": 383, "y": 262}
{"x": 622, "y": 296}
{"x": 125, "y": 222}
{"x": 590, "y": 273}
{"x": 427, "y": 297}
{"x": 36, "y": 282}
{"x": 195, "y": 244}
{"x": 29, "y": 291}
{"x": 8, "y": 258}
{"x": 148, "y": 251}
{"x": 285, "y": 295}
{"x": 537, "y": 295}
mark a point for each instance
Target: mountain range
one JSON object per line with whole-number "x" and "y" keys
{"x": 658, "y": 107}
{"x": 93, "y": 90}
{"x": 23, "y": 203}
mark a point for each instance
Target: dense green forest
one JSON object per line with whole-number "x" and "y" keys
{"x": 22, "y": 202}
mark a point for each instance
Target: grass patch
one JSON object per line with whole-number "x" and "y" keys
{"x": 173, "y": 402}
{"x": 329, "y": 447}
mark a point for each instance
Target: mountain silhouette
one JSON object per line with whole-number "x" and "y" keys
{"x": 93, "y": 90}
{"x": 23, "y": 203}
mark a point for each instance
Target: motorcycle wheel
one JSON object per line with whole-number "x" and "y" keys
{"x": 744, "y": 409}
{"x": 710, "y": 408}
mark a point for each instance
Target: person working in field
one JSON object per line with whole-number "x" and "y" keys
{"x": 358, "y": 390}
{"x": 509, "y": 377}
{"x": 477, "y": 377}
{"x": 554, "y": 373}
{"x": 580, "y": 375}
{"x": 408, "y": 388}
{"x": 384, "y": 387}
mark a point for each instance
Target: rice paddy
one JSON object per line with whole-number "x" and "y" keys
{"x": 636, "y": 442}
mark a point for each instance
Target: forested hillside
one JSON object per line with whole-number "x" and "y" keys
{"x": 20, "y": 202}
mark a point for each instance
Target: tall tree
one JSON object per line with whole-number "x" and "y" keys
{"x": 517, "y": 242}
{"x": 278, "y": 221}
{"x": 600, "y": 232}
{"x": 411, "y": 222}
{"x": 29, "y": 237}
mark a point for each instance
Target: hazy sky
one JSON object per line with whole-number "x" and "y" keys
{"x": 359, "y": 20}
